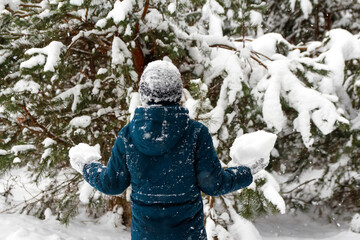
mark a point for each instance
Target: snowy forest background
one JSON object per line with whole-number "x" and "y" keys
{"x": 69, "y": 73}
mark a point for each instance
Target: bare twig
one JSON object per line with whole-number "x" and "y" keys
{"x": 311, "y": 180}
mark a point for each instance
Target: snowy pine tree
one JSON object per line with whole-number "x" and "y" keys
{"x": 69, "y": 74}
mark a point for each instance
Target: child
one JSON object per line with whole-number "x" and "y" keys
{"x": 168, "y": 159}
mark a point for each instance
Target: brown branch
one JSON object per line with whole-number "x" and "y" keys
{"x": 224, "y": 47}
{"x": 259, "y": 62}
{"x": 260, "y": 54}
{"x": 36, "y": 123}
{"x": 146, "y": 8}
{"x": 29, "y": 6}
{"x": 300, "y": 185}
{"x": 233, "y": 49}
{"x": 241, "y": 40}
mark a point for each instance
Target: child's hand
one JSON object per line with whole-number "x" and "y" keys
{"x": 83, "y": 154}
{"x": 257, "y": 166}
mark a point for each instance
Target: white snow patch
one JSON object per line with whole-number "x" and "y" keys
{"x": 48, "y": 142}
{"x": 23, "y": 85}
{"x": 242, "y": 228}
{"x": 306, "y": 8}
{"x": 119, "y": 52}
{"x": 85, "y": 192}
{"x": 46, "y": 13}
{"x": 102, "y": 71}
{"x": 271, "y": 190}
{"x": 101, "y": 23}
{"x": 21, "y": 148}
{"x": 3, "y": 152}
{"x": 80, "y": 122}
{"x": 355, "y": 223}
{"x": 33, "y": 62}
{"x": 52, "y": 51}
{"x": 76, "y": 2}
{"x": 255, "y": 18}
{"x": 121, "y": 10}
{"x": 46, "y": 153}
{"x": 76, "y": 92}
{"x": 210, "y": 12}
{"x": 172, "y": 7}
{"x": 24, "y": 227}
{"x": 266, "y": 44}
{"x": 13, "y": 4}
{"x": 342, "y": 46}
{"x": 4, "y": 54}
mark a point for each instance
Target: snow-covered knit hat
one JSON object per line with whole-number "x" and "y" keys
{"x": 160, "y": 83}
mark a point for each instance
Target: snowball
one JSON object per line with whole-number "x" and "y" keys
{"x": 17, "y": 160}
{"x": 355, "y": 223}
{"x": 250, "y": 147}
{"x": 81, "y": 122}
{"x": 85, "y": 153}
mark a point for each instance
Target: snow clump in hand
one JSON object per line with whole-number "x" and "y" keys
{"x": 252, "y": 150}
{"x": 82, "y": 154}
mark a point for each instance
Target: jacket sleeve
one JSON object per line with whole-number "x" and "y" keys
{"x": 211, "y": 177}
{"x": 112, "y": 179}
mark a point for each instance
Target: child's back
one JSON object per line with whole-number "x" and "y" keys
{"x": 168, "y": 159}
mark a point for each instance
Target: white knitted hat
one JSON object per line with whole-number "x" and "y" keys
{"x": 160, "y": 82}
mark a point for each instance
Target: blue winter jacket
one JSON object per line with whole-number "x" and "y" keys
{"x": 168, "y": 159}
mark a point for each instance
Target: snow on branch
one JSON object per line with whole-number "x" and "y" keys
{"x": 119, "y": 52}
{"x": 340, "y": 46}
{"x": 120, "y": 11}
{"x": 75, "y": 92}
{"x": 52, "y": 51}
{"x": 309, "y": 103}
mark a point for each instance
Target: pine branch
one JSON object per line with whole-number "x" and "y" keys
{"x": 227, "y": 47}
{"x": 47, "y": 133}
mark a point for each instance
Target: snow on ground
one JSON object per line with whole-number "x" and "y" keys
{"x": 280, "y": 227}
{"x": 302, "y": 227}
{"x": 22, "y": 227}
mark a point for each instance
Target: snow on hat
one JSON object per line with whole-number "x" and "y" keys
{"x": 160, "y": 82}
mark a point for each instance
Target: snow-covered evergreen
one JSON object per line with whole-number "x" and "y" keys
{"x": 69, "y": 74}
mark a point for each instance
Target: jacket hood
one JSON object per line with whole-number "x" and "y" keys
{"x": 156, "y": 129}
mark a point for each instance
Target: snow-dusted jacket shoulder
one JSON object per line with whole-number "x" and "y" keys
{"x": 168, "y": 159}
